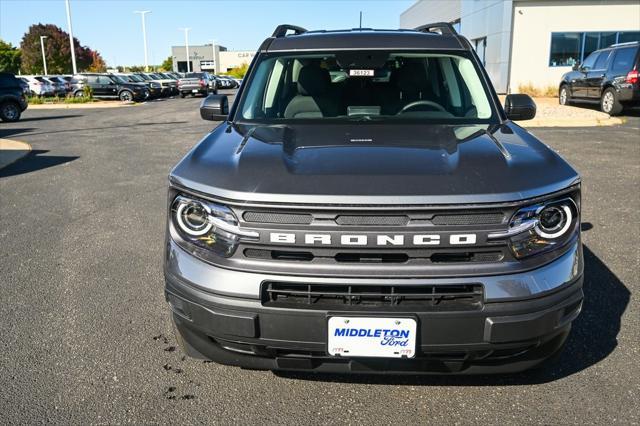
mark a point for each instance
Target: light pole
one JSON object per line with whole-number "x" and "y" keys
{"x": 73, "y": 49}
{"x": 144, "y": 36}
{"x": 213, "y": 48}
{"x": 186, "y": 44}
{"x": 44, "y": 57}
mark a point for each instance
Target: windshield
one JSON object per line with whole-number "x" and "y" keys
{"x": 118, "y": 79}
{"x": 144, "y": 77}
{"x": 366, "y": 85}
{"x": 194, "y": 75}
{"x": 135, "y": 78}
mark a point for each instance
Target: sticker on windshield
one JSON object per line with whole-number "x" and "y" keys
{"x": 361, "y": 73}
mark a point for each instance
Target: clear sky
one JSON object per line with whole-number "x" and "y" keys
{"x": 111, "y": 27}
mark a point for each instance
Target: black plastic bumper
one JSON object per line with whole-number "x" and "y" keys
{"x": 501, "y": 337}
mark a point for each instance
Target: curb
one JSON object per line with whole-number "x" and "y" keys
{"x": 594, "y": 122}
{"x": 12, "y": 151}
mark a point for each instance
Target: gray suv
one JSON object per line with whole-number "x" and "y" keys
{"x": 367, "y": 205}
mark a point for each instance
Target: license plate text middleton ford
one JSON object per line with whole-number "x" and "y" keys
{"x": 372, "y": 337}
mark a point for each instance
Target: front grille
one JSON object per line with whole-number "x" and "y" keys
{"x": 372, "y": 220}
{"x": 328, "y": 296}
{"x": 375, "y": 257}
{"x": 468, "y": 219}
{"x": 272, "y": 217}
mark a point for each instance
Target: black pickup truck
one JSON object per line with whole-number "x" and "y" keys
{"x": 367, "y": 205}
{"x": 13, "y": 97}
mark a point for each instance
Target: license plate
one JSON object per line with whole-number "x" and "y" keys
{"x": 195, "y": 90}
{"x": 372, "y": 337}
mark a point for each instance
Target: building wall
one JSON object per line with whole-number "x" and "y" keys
{"x": 424, "y": 12}
{"x": 234, "y": 58}
{"x": 534, "y": 21}
{"x": 490, "y": 19}
{"x": 202, "y": 58}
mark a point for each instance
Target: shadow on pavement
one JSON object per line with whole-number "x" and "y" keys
{"x": 8, "y": 132}
{"x": 50, "y": 117}
{"x": 90, "y": 129}
{"x": 34, "y": 161}
{"x": 592, "y": 339}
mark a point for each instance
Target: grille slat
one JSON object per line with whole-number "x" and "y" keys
{"x": 326, "y": 296}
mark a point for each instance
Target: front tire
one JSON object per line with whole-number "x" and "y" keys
{"x": 609, "y": 102}
{"x": 10, "y": 112}
{"x": 126, "y": 96}
{"x": 563, "y": 95}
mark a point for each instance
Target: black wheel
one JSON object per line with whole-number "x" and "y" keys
{"x": 79, "y": 94}
{"x": 10, "y": 111}
{"x": 126, "y": 96}
{"x": 609, "y": 102}
{"x": 182, "y": 94}
{"x": 563, "y": 95}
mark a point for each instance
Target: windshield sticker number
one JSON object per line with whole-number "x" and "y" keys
{"x": 361, "y": 73}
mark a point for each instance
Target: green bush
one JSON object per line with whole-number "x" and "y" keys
{"x": 88, "y": 91}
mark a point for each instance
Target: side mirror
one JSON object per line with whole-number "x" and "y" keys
{"x": 214, "y": 108}
{"x": 576, "y": 66}
{"x": 519, "y": 107}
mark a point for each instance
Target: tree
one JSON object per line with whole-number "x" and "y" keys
{"x": 9, "y": 58}
{"x": 136, "y": 68}
{"x": 57, "y": 50}
{"x": 239, "y": 72}
{"x": 167, "y": 65}
{"x": 97, "y": 64}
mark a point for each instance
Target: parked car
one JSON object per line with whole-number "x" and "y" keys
{"x": 61, "y": 81}
{"x": 38, "y": 86}
{"x": 155, "y": 88}
{"x": 109, "y": 86}
{"x": 59, "y": 86}
{"x": 13, "y": 100}
{"x": 197, "y": 83}
{"x": 168, "y": 86}
{"x": 610, "y": 77}
{"x": 396, "y": 225}
{"x": 224, "y": 82}
{"x": 173, "y": 82}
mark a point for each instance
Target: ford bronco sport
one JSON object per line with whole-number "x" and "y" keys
{"x": 367, "y": 205}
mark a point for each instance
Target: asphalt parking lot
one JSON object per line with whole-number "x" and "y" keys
{"x": 85, "y": 331}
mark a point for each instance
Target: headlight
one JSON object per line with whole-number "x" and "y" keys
{"x": 205, "y": 225}
{"x": 154, "y": 85}
{"x": 542, "y": 227}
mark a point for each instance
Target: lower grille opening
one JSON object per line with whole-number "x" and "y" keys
{"x": 279, "y": 255}
{"x": 372, "y": 257}
{"x": 365, "y": 257}
{"x": 327, "y": 296}
{"x": 489, "y": 256}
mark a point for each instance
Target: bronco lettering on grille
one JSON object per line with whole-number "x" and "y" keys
{"x": 379, "y": 240}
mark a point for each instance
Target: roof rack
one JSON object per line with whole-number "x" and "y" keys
{"x": 281, "y": 30}
{"x": 444, "y": 27}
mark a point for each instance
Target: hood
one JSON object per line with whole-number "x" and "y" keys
{"x": 373, "y": 164}
{"x": 134, "y": 85}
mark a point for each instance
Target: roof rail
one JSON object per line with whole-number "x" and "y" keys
{"x": 444, "y": 27}
{"x": 627, "y": 43}
{"x": 281, "y": 30}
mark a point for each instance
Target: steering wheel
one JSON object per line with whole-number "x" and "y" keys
{"x": 414, "y": 104}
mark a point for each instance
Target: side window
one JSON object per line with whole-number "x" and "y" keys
{"x": 623, "y": 61}
{"x": 603, "y": 60}
{"x": 92, "y": 79}
{"x": 590, "y": 61}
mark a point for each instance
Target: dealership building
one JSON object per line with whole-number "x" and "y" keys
{"x": 532, "y": 42}
{"x": 215, "y": 59}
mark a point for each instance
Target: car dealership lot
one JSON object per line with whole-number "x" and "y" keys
{"x": 86, "y": 334}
